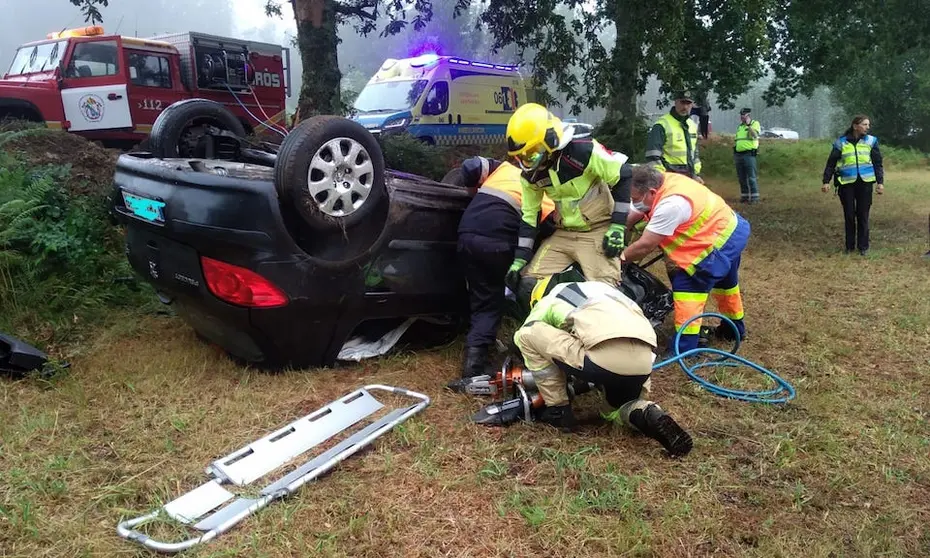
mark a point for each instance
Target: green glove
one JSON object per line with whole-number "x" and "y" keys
{"x": 614, "y": 240}
{"x": 512, "y": 279}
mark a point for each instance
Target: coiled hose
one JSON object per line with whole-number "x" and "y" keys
{"x": 782, "y": 393}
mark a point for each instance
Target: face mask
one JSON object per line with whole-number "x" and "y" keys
{"x": 640, "y": 206}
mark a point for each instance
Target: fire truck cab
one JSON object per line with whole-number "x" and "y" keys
{"x": 112, "y": 88}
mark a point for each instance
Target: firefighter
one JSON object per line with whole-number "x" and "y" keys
{"x": 855, "y": 164}
{"x": 590, "y": 186}
{"x": 486, "y": 243}
{"x": 672, "y": 144}
{"x": 703, "y": 239}
{"x": 745, "y": 149}
{"x": 592, "y": 332}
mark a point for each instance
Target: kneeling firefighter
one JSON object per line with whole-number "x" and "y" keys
{"x": 592, "y": 332}
{"x": 590, "y": 186}
{"x": 486, "y": 243}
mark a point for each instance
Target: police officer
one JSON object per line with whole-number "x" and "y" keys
{"x": 589, "y": 330}
{"x": 703, "y": 239}
{"x": 672, "y": 144}
{"x": 590, "y": 186}
{"x": 487, "y": 239}
{"x": 745, "y": 149}
{"x": 855, "y": 164}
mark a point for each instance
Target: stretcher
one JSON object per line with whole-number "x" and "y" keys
{"x": 212, "y": 509}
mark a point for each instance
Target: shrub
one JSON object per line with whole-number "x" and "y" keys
{"x": 60, "y": 259}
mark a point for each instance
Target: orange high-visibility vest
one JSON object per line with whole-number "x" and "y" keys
{"x": 711, "y": 223}
{"x": 504, "y": 183}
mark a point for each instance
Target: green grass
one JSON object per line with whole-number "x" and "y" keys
{"x": 841, "y": 471}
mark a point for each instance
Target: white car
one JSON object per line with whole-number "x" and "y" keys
{"x": 782, "y": 133}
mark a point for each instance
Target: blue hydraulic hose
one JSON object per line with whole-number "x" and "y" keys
{"x": 785, "y": 389}
{"x": 257, "y": 119}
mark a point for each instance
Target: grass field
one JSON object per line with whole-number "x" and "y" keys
{"x": 841, "y": 471}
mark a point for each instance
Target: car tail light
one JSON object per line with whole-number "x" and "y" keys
{"x": 240, "y": 286}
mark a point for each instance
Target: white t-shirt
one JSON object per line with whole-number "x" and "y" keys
{"x": 671, "y": 212}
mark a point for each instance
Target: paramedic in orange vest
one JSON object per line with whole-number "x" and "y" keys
{"x": 488, "y": 234}
{"x": 702, "y": 237}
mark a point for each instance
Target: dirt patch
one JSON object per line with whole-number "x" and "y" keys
{"x": 92, "y": 165}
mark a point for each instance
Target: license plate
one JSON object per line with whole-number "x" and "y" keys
{"x": 144, "y": 208}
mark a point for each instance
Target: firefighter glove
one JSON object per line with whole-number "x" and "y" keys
{"x": 512, "y": 279}
{"x": 613, "y": 240}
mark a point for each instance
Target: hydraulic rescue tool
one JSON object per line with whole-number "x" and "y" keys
{"x": 516, "y": 390}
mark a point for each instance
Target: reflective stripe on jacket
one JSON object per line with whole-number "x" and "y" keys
{"x": 505, "y": 183}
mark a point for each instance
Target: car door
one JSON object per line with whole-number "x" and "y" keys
{"x": 151, "y": 86}
{"x": 93, "y": 91}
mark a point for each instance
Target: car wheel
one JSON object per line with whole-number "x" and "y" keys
{"x": 180, "y": 131}
{"x": 331, "y": 171}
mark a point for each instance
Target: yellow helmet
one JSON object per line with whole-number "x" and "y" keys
{"x": 532, "y": 134}
{"x": 540, "y": 289}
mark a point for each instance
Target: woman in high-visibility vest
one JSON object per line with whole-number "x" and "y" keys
{"x": 855, "y": 165}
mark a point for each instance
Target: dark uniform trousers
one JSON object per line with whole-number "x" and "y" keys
{"x": 485, "y": 261}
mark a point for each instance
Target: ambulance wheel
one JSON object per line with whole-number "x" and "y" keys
{"x": 330, "y": 170}
{"x": 180, "y": 131}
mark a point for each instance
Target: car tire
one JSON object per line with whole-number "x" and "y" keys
{"x": 308, "y": 153}
{"x": 177, "y": 131}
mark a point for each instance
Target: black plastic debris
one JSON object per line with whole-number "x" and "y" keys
{"x": 18, "y": 358}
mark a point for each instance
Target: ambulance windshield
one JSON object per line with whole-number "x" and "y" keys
{"x": 37, "y": 58}
{"x": 390, "y": 96}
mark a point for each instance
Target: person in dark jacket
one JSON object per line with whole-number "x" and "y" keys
{"x": 487, "y": 241}
{"x": 855, "y": 165}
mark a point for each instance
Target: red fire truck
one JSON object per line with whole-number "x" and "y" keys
{"x": 112, "y": 88}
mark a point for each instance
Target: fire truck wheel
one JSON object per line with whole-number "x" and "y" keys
{"x": 330, "y": 170}
{"x": 179, "y": 131}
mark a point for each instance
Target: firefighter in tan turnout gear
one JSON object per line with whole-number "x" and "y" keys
{"x": 591, "y": 331}
{"x": 590, "y": 186}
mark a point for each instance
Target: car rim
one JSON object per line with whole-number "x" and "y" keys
{"x": 340, "y": 177}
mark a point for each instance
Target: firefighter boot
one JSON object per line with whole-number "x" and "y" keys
{"x": 559, "y": 416}
{"x": 476, "y": 362}
{"x": 658, "y": 425}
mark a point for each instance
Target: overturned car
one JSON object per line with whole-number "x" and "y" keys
{"x": 283, "y": 254}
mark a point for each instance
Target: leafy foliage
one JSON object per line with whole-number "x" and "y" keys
{"x": 405, "y": 153}
{"x": 90, "y": 10}
{"x": 59, "y": 256}
{"x": 619, "y": 44}
{"x": 875, "y": 57}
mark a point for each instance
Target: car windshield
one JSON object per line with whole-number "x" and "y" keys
{"x": 390, "y": 95}
{"x": 37, "y": 58}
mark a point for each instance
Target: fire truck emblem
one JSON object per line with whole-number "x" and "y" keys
{"x": 91, "y": 108}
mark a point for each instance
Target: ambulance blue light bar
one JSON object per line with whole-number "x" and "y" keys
{"x": 483, "y": 65}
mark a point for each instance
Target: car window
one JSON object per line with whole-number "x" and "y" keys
{"x": 149, "y": 70}
{"x": 437, "y": 100}
{"x": 94, "y": 59}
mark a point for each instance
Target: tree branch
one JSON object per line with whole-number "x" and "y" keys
{"x": 356, "y": 11}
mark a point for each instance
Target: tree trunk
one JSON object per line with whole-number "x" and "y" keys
{"x": 625, "y": 60}
{"x": 622, "y": 126}
{"x": 317, "y": 39}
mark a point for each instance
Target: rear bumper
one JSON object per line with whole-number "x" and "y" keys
{"x": 409, "y": 270}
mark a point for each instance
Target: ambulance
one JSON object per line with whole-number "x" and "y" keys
{"x": 441, "y": 100}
